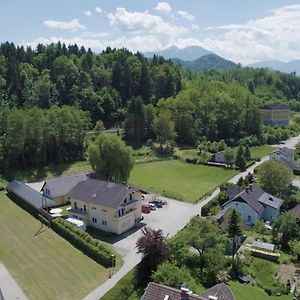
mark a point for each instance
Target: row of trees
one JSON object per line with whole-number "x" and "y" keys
{"x": 35, "y": 136}
{"x": 101, "y": 84}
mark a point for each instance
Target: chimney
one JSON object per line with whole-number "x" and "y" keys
{"x": 185, "y": 292}
{"x": 212, "y": 297}
{"x": 271, "y": 198}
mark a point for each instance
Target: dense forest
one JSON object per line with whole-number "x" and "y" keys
{"x": 50, "y": 96}
{"x": 101, "y": 84}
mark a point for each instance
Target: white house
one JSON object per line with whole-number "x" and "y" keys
{"x": 286, "y": 156}
{"x": 252, "y": 203}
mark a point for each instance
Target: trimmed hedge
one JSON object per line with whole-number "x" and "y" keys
{"x": 83, "y": 241}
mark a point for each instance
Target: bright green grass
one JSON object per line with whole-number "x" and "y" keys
{"x": 248, "y": 292}
{"x": 261, "y": 151}
{"x": 179, "y": 180}
{"x": 44, "y": 265}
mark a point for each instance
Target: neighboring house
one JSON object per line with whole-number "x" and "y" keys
{"x": 104, "y": 205}
{"x": 219, "y": 157}
{"x": 276, "y": 114}
{"x": 296, "y": 211}
{"x": 252, "y": 203}
{"x": 56, "y": 189}
{"x": 286, "y": 156}
{"x": 156, "y": 291}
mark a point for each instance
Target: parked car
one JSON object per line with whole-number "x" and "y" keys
{"x": 158, "y": 203}
{"x": 153, "y": 206}
{"x": 146, "y": 208}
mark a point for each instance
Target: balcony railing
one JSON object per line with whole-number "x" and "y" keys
{"x": 130, "y": 211}
{"x": 78, "y": 211}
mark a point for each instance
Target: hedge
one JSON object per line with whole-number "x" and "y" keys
{"x": 93, "y": 248}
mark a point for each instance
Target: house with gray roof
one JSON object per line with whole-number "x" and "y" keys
{"x": 156, "y": 291}
{"x": 286, "y": 156}
{"x": 108, "y": 206}
{"x": 56, "y": 189}
{"x": 253, "y": 203}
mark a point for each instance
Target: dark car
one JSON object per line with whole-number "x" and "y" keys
{"x": 158, "y": 203}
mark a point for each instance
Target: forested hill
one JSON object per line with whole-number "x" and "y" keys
{"x": 209, "y": 61}
{"x": 101, "y": 84}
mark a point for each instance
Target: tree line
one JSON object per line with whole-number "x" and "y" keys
{"x": 36, "y": 136}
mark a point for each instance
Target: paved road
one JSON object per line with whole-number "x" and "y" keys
{"x": 9, "y": 287}
{"x": 170, "y": 220}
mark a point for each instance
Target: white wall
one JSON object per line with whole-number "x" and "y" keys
{"x": 245, "y": 210}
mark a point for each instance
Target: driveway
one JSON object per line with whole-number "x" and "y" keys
{"x": 8, "y": 286}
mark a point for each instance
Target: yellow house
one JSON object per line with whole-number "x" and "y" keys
{"x": 104, "y": 205}
{"x": 276, "y": 114}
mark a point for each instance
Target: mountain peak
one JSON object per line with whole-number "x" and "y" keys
{"x": 187, "y": 54}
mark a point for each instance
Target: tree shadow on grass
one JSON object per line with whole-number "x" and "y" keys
{"x": 35, "y": 173}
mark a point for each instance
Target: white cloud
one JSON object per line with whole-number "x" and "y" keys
{"x": 88, "y": 13}
{"x": 163, "y": 7}
{"x": 144, "y": 22}
{"x": 98, "y": 10}
{"x": 185, "y": 15}
{"x": 72, "y": 25}
{"x": 94, "y": 44}
{"x": 274, "y": 36}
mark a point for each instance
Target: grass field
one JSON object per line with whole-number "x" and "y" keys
{"x": 44, "y": 265}
{"x": 261, "y": 151}
{"x": 248, "y": 292}
{"x": 179, "y": 180}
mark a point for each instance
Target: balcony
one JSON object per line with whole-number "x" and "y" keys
{"x": 78, "y": 211}
{"x": 127, "y": 213}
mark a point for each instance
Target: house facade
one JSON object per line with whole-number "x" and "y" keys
{"x": 276, "y": 114}
{"x": 104, "y": 205}
{"x": 252, "y": 203}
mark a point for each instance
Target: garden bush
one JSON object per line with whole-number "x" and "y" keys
{"x": 83, "y": 241}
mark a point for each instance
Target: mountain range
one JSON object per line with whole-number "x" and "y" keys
{"x": 277, "y": 65}
{"x": 187, "y": 54}
{"x": 197, "y": 58}
{"x": 194, "y": 58}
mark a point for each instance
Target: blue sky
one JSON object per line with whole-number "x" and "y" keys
{"x": 243, "y": 31}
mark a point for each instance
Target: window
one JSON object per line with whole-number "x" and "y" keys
{"x": 75, "y": 205}
{"x": 104, "y": 223}
{"x": 94, "y": 208}
{"x": 249, "y": 218}
{"x": 103, "y": 211}
{"x": 84, "y": 207}
{"x": 94, "y": 220}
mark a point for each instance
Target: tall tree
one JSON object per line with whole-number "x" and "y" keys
{"x": 240, "y": 160}
{"x": 234, "y": 229}
{"x": 274, "y": 177}
{"x": 109, "y": 156}
{"x": 164, "y": 128}
{"x": 285, "y": 228}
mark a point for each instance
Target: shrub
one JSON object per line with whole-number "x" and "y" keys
{"x": 83, "y": 241}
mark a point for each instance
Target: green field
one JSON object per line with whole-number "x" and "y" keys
{"x": 178, "y": 180}
{"x": 44, "y": 265}
{"x": 248, "y": 292}
{"x": 261, "y": 151}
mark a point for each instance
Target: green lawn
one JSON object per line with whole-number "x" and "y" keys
{"x": 179, "y": 180}
{"x": 261, "y": 151}
{"x": 248, "y": 292}
{"x": 45, "y": 265}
